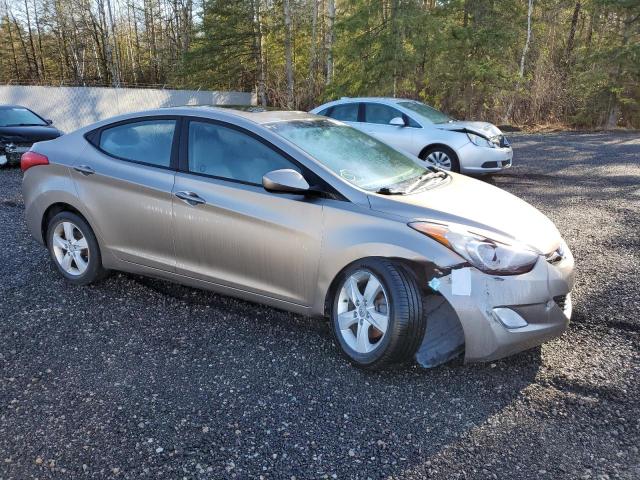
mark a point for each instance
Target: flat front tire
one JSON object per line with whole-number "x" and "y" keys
{"x": 74, "y": 249}
{"x": 377, "y": 315}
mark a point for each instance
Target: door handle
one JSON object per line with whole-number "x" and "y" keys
{"x": 84, "y": 169}
{"x": 191, "y": 198}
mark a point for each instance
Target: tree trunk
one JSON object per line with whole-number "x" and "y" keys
{"x": 527, "y": 41}
{"x": 24, "y": 47}
{"x": 40, "y": 35}
{"x": 13, "y": 47}
{"x": 329, "y": 39}
{"x": 115, "y": 60}
{"x": 395, "y": 34}
{"x": 525, "y": 49}
{"x": 136, "y": 37}
{"x": 31, "y": 42}
{"x": 313, "y": 61}
{"x": 288, "y": 53}
{"x": 572, "y": 34}
{"x": 258, "y": 53}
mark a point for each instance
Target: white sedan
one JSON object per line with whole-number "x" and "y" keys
{"x": 423, "y": 131}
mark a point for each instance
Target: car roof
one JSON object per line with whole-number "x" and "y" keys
{"x": 5, "y": 105}
{"x": 255, "y": 114}
{"x": 374, "y": 99}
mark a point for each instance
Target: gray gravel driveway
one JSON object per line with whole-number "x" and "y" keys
{"x": 138, "y": 378}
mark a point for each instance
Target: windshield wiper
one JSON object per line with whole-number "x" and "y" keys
{"x": 424, "y": 178}
{"x": 25, "y": 125}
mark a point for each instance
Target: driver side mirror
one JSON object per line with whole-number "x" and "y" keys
{"x": 49, "y": 122}
{"x": 398, "y": 122}
{"x": 285, "y": 180}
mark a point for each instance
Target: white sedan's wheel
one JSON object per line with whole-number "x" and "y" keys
{"x": 363, "y": 311}
{"x": 440, "y": 159}
{"x": 70, "y": 248}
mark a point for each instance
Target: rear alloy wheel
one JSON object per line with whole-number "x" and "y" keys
{"x": 377, "y": 314}
{"x": 70, "y": 248}
{"x": 74, "y": 249}
{"x": 441, "y": 157}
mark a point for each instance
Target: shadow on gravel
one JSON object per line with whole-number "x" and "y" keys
{"x": 584, "y": 389}
{"x": 223, "y": 358}
{"x": 12, "y": 203}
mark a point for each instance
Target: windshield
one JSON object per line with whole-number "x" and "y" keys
{"x": 18, "y": 116}
{"x": 355, "y": 156}
{"x": 430, "y": 113}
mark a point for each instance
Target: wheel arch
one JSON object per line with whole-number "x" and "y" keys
{"x": 438, "y": 145}
{"x": 419, "y": 270}
{"x": 445, "y": 339}
{"x": 41, "y": 212}
{"x": 51, "y": 211}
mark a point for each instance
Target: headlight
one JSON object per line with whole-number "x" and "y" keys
{"x": 494, "y": 255}
{"x": 493, "y": 142}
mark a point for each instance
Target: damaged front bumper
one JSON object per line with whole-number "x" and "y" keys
{"x": 10, "y": 154}
{"x": 496, "y": 316}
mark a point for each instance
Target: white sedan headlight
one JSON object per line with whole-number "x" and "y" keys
{"x": 479, "y": 141}
{"x": 493, "y": 255}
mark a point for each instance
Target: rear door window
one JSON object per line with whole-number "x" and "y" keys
{"x": 346, "y": 112}
{"x": 146, "y": 141}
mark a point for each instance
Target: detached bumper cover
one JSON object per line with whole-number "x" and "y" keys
{"x": 503, "y": 315}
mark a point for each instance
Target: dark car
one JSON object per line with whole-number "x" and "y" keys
{"x": 19, "y": 129}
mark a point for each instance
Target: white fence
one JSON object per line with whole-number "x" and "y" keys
{"x": 73, "y": 107}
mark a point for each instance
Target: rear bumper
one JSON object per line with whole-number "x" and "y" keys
{"x": 504, "y": 315}
{"x": 474, "y": 159}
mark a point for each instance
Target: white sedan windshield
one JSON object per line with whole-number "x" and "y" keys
{"x": 355, "y": 156}
{"x": 425, "y": 111}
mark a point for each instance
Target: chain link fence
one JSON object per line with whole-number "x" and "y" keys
{"x": 71, "y": 108}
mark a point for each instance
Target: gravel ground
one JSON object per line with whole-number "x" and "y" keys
{"x": 137, "y": 378}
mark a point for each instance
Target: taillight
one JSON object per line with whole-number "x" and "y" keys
{"x": 31, "y": 159}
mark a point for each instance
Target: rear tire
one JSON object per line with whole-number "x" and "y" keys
{"x": 441, "y": 157}
{"x": 386, "y": 323}
{"x": 74, "y": 249}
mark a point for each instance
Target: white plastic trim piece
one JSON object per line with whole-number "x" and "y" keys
{"x": 461, "y": 281}
{"x": 509, "y": 318}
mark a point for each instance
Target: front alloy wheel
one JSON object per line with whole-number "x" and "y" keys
{"x": 377, "y": 314}
{"x": 363, "y": 311}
